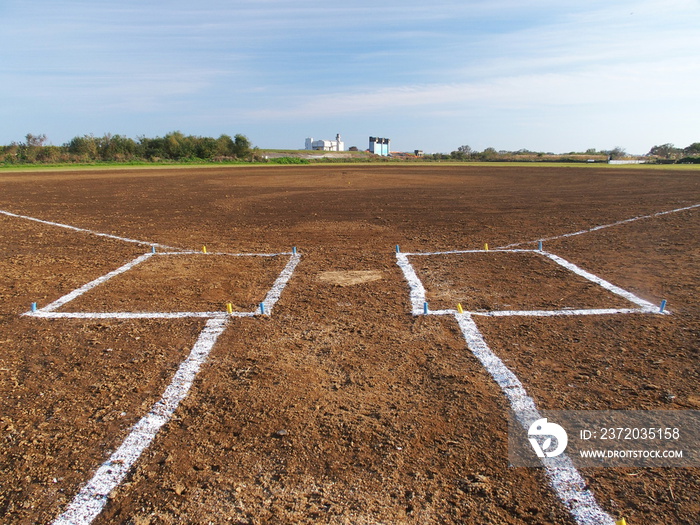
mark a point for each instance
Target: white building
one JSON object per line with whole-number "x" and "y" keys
{"x": 325, "y": 145}
{"x": 611, "y": 161}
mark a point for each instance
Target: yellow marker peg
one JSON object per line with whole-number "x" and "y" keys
{"x": 621, "y": 521}
{"x": 486, "y": 246}
{"x": 229, "y": 308}
{"x": 204, "y": 249}
{"x": 459, "y": 308}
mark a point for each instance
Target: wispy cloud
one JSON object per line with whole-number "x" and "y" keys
{"x": 264, "y": 62}
{"x": 585, "y": 57}
{"x": 608, "y": 85}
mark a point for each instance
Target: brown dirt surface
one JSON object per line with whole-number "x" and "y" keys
{"x": 340, "y": 407}
{"x": 488, "y": 281}
{"x": 350, "y": 277}
{"x": 185, "y": 283}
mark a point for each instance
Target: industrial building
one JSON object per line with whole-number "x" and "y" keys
{"x": 325, "y": 145}
{"x": 379, "y": 146}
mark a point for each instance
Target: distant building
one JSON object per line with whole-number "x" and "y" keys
{"x": 636, "y": 161}
{"x": 379, "y": 146}
{"x": 325, "y": 145}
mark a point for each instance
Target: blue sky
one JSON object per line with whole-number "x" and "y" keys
{"x": 543, "y": 75}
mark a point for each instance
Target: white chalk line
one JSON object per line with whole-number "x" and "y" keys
{"x": 415, "y": 286}
{"x": 195, "y": 252}
{"x": 564, "y": 478}
{"x": 137, "y": 315}
{"x": 549, "y": 313}
{"x": 274, "y": 293}
{"x": 175, "y": 250}
{"x": 417, "y": 292}
{"x": 453, "y": 252}
{"x": 567, "y": 482}
{"x": 600, "y": 282}
{"x": 602, "y": 226}
{"x": 49, "y": 311}
{"x": 85, "y": 230}
{"x": 89, "y": 286}
{"x": 92, "y": 498}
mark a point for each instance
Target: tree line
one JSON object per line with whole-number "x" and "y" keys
{"x": 669, "y": 152}
{"x": 178, "y": 147}
{"x": 466, "y": 153}
{"x": 174, "y": 146}
{"x": 664, "y": 153}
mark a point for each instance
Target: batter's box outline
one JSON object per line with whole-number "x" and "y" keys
{"x": 420, "y": 305}
{"x": 265, "y": 308}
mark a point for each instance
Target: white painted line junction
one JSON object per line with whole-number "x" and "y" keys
{"x": 566, "y": 481}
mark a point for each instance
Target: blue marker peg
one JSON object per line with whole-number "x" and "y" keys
{"x": 294, "y": 250}
{"x": 33, "y": 307}
{"x": 398, "y": 250}
{"x": 262, "y": 308}
{"x": 425, "y": 308}
{"x": 662, "y": 307}
{"x": 153, "y": 249}
{"x": 539, "y": 245}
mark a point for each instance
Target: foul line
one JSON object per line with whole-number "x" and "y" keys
{"x": 645, "y": 305}
{"x": 92, "y": 498}
{"x": 595, "y": 228}
{"x": 175, "y": 250}
{"x": 89, "y": 286}
{"x": 85, "y": 230}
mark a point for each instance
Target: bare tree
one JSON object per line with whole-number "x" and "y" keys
{"x": 35, "y": 140}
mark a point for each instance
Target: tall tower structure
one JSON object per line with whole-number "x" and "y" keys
{"x": 379, "y": 146}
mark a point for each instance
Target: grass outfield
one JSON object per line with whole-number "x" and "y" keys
{"x": 9, "y": 168}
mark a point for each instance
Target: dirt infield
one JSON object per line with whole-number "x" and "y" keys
{"x": 189, "y": 282}
{"x": 341, "y": 406}
{"x": 487, "y": 281}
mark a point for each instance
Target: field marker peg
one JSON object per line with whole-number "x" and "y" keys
{"x": 539, "y": 245}
{"x": 262, "y": 308}
{"x": 33, "y": 307}
{"x": 398, "y": 250}
{"x": 486, "y": 246}
{"x": 459, "y": 308}
{"x": 204, "y": 249}
{"x": 229, "y": 308}
{"x": 153, "y": 249}
{"x": 621, "y": 521}
{"x": 294, "y": 250}
{"x": 425, "y": 308}
{"x": 662, "y": 307}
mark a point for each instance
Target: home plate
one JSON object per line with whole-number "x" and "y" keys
{"x": 350, "y": 277}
